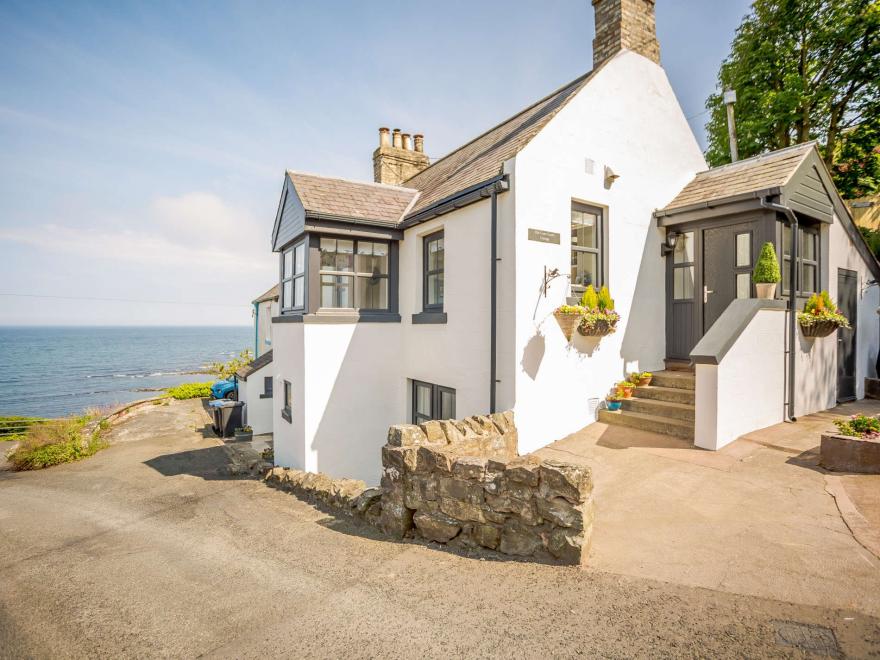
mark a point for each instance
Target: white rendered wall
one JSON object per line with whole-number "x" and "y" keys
{"x": 258, "y": 411}
{"x": 288, "y": 364}
{"x": 816, "y": 367}
{"x": 627, "y": 118}
{"x": 746, "y": 391}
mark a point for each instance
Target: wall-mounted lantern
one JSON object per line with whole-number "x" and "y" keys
{"x": 672, "y": 238}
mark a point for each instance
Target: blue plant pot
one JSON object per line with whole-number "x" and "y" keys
{"x": 614, "y": 405}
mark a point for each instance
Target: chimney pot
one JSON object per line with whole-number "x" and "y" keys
{"x": 419, "y": 141}
{"x": 396, "y": 140}
{"x": 384, "y": 137}
{"x": 406, "y": 142}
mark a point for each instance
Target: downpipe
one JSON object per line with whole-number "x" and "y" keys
{"x": 493, "y": 302}
{"x": 792, "y": 297}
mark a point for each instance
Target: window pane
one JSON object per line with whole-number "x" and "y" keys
{"x": 808, "y": 280}
{"x": 285, "y": 295}
{"x": 786, "y": 274}
{"x": 372, "y": 292}
{"x": 435, "y": 254}
{"x": 743, "y": 251}
{"x": 743, "y": 285}
{"x": 683, "y": 283}
{"x": 684, "y": 249}
{"x": 423, "y": 399}
{"x": 447, "y": 404}
{"x": 298, "y": 293}
{"x": 372, "y": 258}
{"x": 328, "y": 253}
{"x": 808, "y": 246}
{"x": 583, "y": 268}
{"x": 336, "y": 291}
{"x": 300, "y": 261}
{"x": 286, "y": 394}
{"x": 786, "y": 240}
{"x": 288, "y": 264}
{"x": 583, "y": 229}
{"x": 435, "y": 289}
{"x": 337, "y": 255}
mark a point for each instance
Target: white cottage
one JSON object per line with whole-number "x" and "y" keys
{"x": 430, "y": 292}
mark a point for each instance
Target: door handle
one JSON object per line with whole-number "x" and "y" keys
{"x": 706, "y": 292}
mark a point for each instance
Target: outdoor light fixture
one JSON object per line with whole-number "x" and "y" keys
{"x": 610, "y": 176}
{"x": 671, "y": 243}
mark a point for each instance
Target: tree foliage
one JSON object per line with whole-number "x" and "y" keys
{"x": 226, "y": 369}
{"x": 805, "y": 70}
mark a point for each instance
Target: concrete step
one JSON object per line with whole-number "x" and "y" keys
{"x": 652, "y": 423}
{"x": 678, "y": 365}
{"x": 681, "y": 411}
{"x": 670, "y": 394}
{"x": 679, "y": 379}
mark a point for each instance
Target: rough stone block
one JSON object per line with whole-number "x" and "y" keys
{"x": 434, "y": 432}
{"x": 500, "y": 422}
{"x": 367, "y": 499}
{"x": 573, "y": 482}
{"x": 461, "y": 510}
{"x": 842, "y": 453}
{"x": 470, "y": 467}
{"x": 524, "y": 470}
{"x": 525, "y": 510}
{"x": 396, "y": 520}
{"x": 419, "y": 489}
{"x": 481, "y": 424}
{"x": 560, "y": 511}
{"x": 517, "y": 539}
{"x": 402, "y": 458}
{"x": 568, "y": 545}
{"x": 459, "y": 489}
{"x": 451, "y": 430}
{"x": 496, "y": 464}
{"x": 406, "y": 435}
{"x": 436, "y": 527}
{"x": 431, "y": 459}
{"x": 488, "y": 536}
{"x": 516, "y": 490}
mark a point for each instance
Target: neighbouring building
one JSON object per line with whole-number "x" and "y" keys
{"x": 429, "y": 293}
{"x": 265, "y": 309}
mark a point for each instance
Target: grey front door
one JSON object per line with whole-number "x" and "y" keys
{"x": 727, "y": 265}
{"x": 847, "y": 302}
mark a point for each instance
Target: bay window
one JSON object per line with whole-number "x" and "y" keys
{"x": 354, "y": 274}
{"x": 293, "y": 270}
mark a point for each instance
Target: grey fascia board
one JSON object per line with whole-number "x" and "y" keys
{"x": 711, "y": 204}
{"x": 458, "y": 200}
{"x": 327, "y": 318}
{"x": 723, "y": 334}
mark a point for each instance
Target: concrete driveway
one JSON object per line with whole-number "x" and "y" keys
{"x": 146, "y": 550}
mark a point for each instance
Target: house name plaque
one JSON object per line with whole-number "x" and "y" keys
{"x": 543, "y": 236}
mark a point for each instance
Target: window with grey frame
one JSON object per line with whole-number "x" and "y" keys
{"x": 587, "y": 251}
{"x": 286, "y": 410}
{"x": 807, "y": 273}
{"x": 683, "y": 267}
{"x": 433, "y": 266}
{"x": 431, "y": 401}
{"x": 293, "y": 277}
{"x": 354, "y": 274}
{"x": 267, "y": 387}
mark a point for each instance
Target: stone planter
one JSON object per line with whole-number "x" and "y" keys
{"x": 243, "y": 436}
{"x": 567, "y": 323}
{"x": 820, "y": 329}
{"x": 843, "y": 453}
{"x": 599, "y": 329}
{"x": 766, "y": 290}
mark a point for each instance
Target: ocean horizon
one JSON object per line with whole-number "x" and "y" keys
{"x": 54, "y": 370}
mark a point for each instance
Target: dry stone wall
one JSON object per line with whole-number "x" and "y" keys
{"x": 462, "y": 482}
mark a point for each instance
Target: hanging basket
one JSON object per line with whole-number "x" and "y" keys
{"x": 567, "y": 323}
{"x": 819, "y": 329}
{"x": 598, "y": 329}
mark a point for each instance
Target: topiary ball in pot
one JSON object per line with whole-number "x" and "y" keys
{"x": 766, "y": 274}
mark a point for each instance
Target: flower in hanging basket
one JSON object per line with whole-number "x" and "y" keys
{"x": 820, "y": 316}
{"x": 599, "y": 318}
{"x": 568, "y": 316}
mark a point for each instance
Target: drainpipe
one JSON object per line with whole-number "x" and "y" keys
{"x": 792, "y": 296}
{"x": 256, "y": 330}
{"x": 493, "y": 302}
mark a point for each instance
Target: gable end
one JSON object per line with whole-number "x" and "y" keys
{"x": 290, "y": 220}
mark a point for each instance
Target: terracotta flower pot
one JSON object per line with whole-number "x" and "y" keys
{"x": 766, "y": 290}
{"x": 646, "y": 380}
{"x": 626, "y": 391}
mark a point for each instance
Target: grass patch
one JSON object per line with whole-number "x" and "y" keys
{"x": 15, "y": 428}
{"x": 190, "y": 391}
{"x": 57, "y": 441}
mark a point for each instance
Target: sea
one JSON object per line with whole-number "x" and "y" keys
{"x": 58, "y": 371}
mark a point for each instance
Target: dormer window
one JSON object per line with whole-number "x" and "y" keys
{"x": 354, "y": 274}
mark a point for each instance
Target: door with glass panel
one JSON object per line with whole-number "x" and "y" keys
{"x": 727, "y": 268}
{"x": 682, "y": 311}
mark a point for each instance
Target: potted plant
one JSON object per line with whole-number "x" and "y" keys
{"x": 625, "y": 389}
{"x": 244, "y": 433}
{"x": 599, "y": 318}
{"x": 568, "y": 317}
{"x": 641, "y": 378}
{"x": 613, "y": 402}
{"x": 766, "y": 274}
{"x": 820, "y": 316}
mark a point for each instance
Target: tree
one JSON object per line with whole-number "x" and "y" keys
{"x": 226, "y": 369}
{"x": 805, "y": 70}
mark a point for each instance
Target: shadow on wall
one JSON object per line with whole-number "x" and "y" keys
{"x": 817, "y": 384}
{"x": 643, "y": 323}
{"x": 366, "y": 398}
{"x": 533, "y": 354}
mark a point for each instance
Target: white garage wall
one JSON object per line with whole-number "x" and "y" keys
{"x": 258, "y": 411}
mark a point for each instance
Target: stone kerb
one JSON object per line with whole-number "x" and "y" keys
{"x": 462, "y": 482}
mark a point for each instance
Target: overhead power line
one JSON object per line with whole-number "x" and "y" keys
{"x": 125, "y": 300}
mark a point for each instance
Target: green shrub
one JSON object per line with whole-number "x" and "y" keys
{"x": 57, "y": 441}
{"x": 226, "y": 369}
{"x": 190, "y": 391}
{"x": 859, "y": 426}
{"x": 605, "y": 301}
{"x": 14, "y": 428}
{"x": 589, "y": 299}
{"x": 767, "y": 268}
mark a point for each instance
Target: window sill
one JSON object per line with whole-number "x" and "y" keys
{"x": 265, "y": 396}
{"x": 428, "y": 318}
{"x": 348, "y": 316}
{"x": 286, "y": 416}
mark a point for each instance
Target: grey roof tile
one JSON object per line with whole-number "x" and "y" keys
{"x": 356, "y": 200}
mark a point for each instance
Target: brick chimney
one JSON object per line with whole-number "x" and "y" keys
{"x": 626, "y": 24}
{"x": 395, "y": 160}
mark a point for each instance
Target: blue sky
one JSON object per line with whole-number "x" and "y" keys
{"x": 142, "y": 145}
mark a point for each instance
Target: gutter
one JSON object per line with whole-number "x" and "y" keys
{"x": 457, "y": 200}
{"x": 714, "y": 203}
{"x": 792, "y": 296}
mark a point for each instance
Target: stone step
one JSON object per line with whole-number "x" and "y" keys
{"x": 678, "y": 379}
{"x": 673, "y": 364}
{"x": 670, "y": 394}
{"x": 681, "y": 411}
{"x": 652, "y": 423}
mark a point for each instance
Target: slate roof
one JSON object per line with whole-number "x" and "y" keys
{"x": 482, "y": 158}
{"x": 751, "y": 175}
{"x": 259, "y": 363}
{"x": 356, "y": 200}
{"x": 271, "y": 294}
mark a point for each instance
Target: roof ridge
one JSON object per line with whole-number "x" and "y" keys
{"x": 795, "y": 147}
{"x": 582, "y": 78}
{"x": 384, "y": 186}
